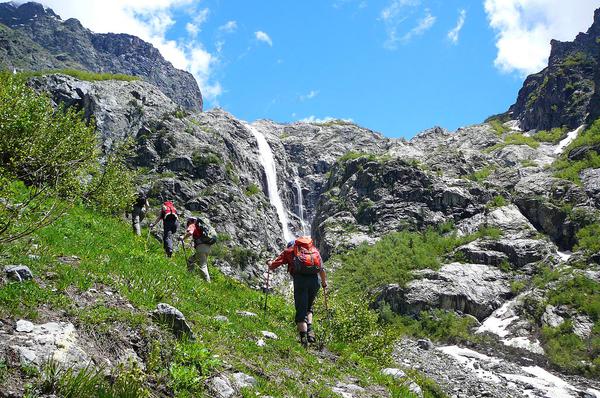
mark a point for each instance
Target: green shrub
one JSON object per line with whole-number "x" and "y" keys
{"x": 515, "y": 139}
{"x": 553, "y": 136}
{"x": 570, "y": 170}
{"x": 481, "y": 175}
{"x": 352, "y": 155}
{"x": 588, "y": 238}
{"x": 394, "y": 256}
{"x": 498, "y": 127}
{"x": 252, "y": 189}
{"x": 205, "y": 158}
{"x": 528, "y": 163}
{"x": 579, "y": 292}
{"x": 497, "y": 201}
{"x": 42, "y": 178}
{"x": 81, "y": 75}
{"x": 578, "y": 58}
{"x": 517, "y": 287}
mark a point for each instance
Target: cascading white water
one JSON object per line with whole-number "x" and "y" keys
{"x": 300, "y": 204}
{"x": 268, "y": 162}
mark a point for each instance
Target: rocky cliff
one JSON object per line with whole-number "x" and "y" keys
{"x": 67, "y": 43}
{"x": 566, "y": 92}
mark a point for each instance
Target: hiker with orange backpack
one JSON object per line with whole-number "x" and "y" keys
{"x": 305, "y": 265}
{"x": 168, "y": 215}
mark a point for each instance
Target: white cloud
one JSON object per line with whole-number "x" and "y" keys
{"x": 311, "y": 94}
{"x": 525, "y": 27}
{"x": 262, "y": 36}
{"x": 453, "y": 34}
{"x": 397, "y": 12}
{"x": 229, "y": 27}
{"x": 192, "y": 29}
{"x": 149, "y": 20}
{"x": 423, "y": 26}
{"x": 326, "y": 119}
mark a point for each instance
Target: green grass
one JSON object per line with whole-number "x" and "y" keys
{"x": 252, "y": 189}
{"x": 569, "y": 169}
{"x": 575, "y": 59}
{"x": 497, "y": 201}
{"x": 352, "y": 155}
{"x": 82, "y": 75}
{"x": 553, "y": 136}
{"x": 481, "y": 175}
{"x": 392, "y": 258}
{"x": 588, "y": 238}
{"x": 110, "y": 255}
{"x": 498, "y": 127}
{"x": 515, "y": 139}
{"x": 203, "y": 159}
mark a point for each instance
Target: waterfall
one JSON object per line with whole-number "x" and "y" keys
{"x": 268, "y": 162}
{"x": 300, "y": 203}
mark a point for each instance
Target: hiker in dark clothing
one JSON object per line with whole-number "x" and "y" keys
{"x": 168, "y": 215}
{"x": 305, "y": 265}
{"x": 138, "y": 212}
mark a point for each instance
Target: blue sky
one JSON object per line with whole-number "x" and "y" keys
{"x": 394, "y": 66}
{"x": 336, "y": 60}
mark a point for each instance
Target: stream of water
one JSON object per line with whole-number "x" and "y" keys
{"x": 300, "y": 204}
{"x": 268, "y": 162}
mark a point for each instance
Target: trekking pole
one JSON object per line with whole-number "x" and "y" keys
{"x": 267, "y": 288}
{"x": 182, "y": 243}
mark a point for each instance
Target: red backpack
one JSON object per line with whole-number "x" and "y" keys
{"x": 307, "y": 259}
{"x": 169, "y": 209}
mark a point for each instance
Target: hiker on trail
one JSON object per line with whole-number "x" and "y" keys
{"x": 305, "y": 265}
{"x": 204, "y": 236}
{"x": 168, "y": 215}
{"x": 138, "y": 212}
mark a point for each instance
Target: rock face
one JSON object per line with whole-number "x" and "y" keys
{"x": 38, "y": 344}
{"x": 566, "y": 92}
{"x": 473, "y": 289}
{"x": 67, "y": 43}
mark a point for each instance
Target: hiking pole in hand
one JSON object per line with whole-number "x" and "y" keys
{"x": 267, "y": 286}
{"x": 182, "y": 243}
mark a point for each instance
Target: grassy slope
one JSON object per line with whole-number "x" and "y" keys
{"x": 111, "y": 255}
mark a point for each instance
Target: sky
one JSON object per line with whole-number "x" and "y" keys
{"x": 394, "y": 66}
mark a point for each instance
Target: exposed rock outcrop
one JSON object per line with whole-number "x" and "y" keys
{"x": 67, "y": 43}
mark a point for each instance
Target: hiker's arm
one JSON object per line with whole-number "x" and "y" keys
{"x": 279, "y": 261}
{"x": 323, "y": 276}
{"x": 188, "y": 232}
{"x": 157, "y": 220}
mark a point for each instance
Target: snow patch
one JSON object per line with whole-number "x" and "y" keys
{"x": 524, "y": 343}
{"x": 564, "y": 256}
{"x": 471, "y": 359}
{"x": 500, "y": 320}
{"x": 566, "y": 141}
{"x": 540, "y": 379}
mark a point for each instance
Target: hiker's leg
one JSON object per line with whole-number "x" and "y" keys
{"x": 193, "y": 260}
{"x": 203, "y": 251}
{"x": 313, "y": 289}
{"x": 300, "y": 302}
{"x": 135, "y": 222}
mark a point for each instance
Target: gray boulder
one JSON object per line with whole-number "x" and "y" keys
{"x": 18, "y": 273}
{"x": 173, "y": 318}
{"x": 473, "y": 289}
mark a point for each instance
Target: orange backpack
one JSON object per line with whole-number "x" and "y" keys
{"x": 307, "y": 259}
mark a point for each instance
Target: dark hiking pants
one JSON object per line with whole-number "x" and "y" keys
{"x": 306, "y": 288}
{"x": 170, "y": 225}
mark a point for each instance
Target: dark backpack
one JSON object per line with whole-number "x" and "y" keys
{"x": 208, "y": 234}
{"x": 140, "y": 201}
{"x": 307, "y": 259}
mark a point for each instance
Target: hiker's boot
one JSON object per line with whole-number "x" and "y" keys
{"x": 304, "y": 339}
{"x": 310, "y": 334}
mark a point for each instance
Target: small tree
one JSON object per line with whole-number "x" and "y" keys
{"x": 49, "y": 159}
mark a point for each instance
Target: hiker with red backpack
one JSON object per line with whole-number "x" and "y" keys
{"x": 204, "y": 236}
{"x": 305, "y": 265}
{"x": 168, "y": 215}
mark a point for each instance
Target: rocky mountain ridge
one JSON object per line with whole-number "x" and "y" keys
{"x": 67, "y": 43}
{"x": 350, "y": 186}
